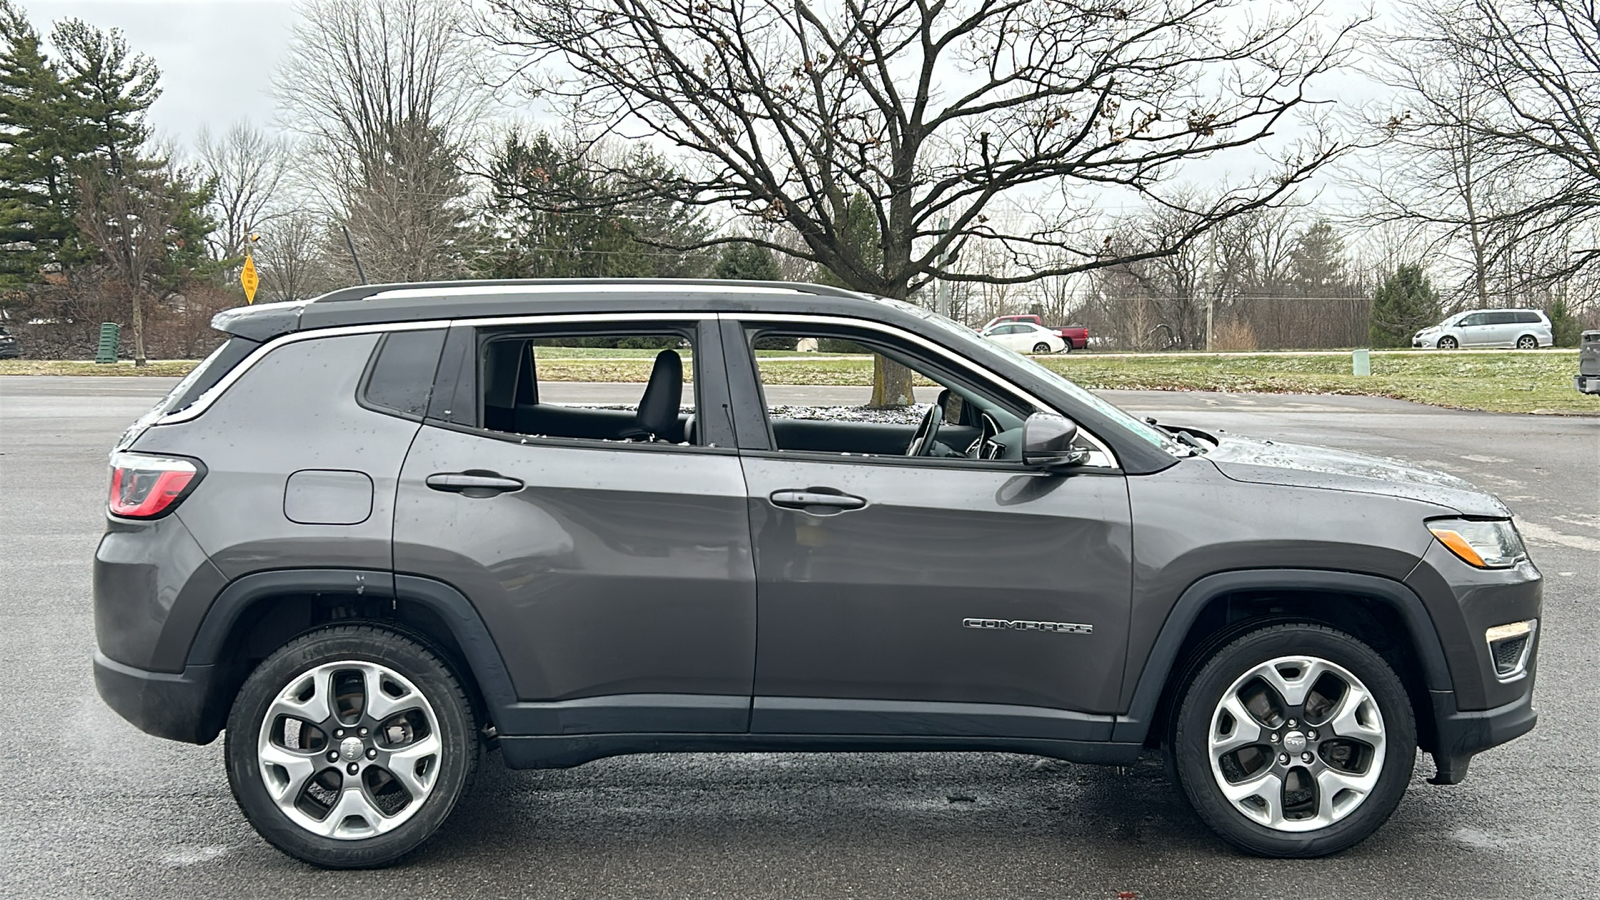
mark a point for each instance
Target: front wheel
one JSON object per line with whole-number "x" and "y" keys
{"x": 1041, "y": 347}
{"x": 349, "y": 746}
{"x": 1448, "y": 343}
{"x": 1295, "y": 740}
{"x": 1527, "y": 342}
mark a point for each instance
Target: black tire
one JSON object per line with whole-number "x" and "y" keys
{"x": 450, "y": 770}
{"x": 1041, "y": 348}
{"x": 1448, "y": 343}
{"x": 1201, "y": 706}
{"x": 1066, "y": 346}
{"x": 1527, "y": 342}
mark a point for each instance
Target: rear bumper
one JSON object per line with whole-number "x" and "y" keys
{"x": 167, "y": 705}
{"x": 1463, "y": 734}
{"x": 1586, "y": 384}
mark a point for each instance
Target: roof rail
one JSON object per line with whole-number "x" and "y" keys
{"x": 364, "y": 291}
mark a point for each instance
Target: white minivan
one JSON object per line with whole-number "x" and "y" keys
{"x": 1524, "y": 329}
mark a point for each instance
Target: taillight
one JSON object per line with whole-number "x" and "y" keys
{"x": 148, "y": 487}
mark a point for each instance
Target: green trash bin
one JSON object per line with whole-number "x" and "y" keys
{"x": 110, "y": 338}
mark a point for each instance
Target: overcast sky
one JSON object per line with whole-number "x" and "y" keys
{"x": 216, "y": 56}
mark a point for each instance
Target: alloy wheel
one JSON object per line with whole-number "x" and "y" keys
{"x": 1297, "y": 743}
{"x": 349, "y": 749}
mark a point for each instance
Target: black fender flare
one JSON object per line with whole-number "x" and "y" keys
{"x": 1134, "y": 727}
{"x": 482, "y": 657}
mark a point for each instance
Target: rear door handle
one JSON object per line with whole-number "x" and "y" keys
{"x": 473, "y": 483}
{"x": 804, "y": 499}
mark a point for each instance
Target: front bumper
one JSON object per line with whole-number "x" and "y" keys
{"x": 1586, "y": 384}
{"x": 1463, "y": 734}
{"x": 176, "y": 706}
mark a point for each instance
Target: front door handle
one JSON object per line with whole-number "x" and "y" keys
{"x": 811, "y": 498}
{"x": 473, "y": 483}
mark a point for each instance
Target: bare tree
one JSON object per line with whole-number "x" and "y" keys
{"x": 938, "y": 109}
{"x": 246, "y": 170}
{"x": 128, "y": 215}
{"x": 1504, "y": 94}
{"x": 387, "y": 94}
{"x": 290, "y": 257}
{"x": 1433, "y": 170}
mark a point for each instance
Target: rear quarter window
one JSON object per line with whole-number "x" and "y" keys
{"x": 205, "y": 376}
{"x": 400, "y": 376}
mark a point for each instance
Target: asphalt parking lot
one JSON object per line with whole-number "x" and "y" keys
{"x": 90, "y": 807}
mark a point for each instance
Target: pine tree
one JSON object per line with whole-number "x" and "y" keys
{"x": 1404, "y": 303}
{"x": 557, "y": 213}
{"x": 1565, "y": 328}
{"x": 747, "y": 262}
{"x": 61, "y": 119}
{"x": 111, "y": 87}
{"x": 40, "y": 145}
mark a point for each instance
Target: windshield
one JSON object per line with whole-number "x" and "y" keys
{"x": 975, "y": 346}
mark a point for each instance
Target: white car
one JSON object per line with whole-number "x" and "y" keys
{"x": 1524, "y": 329}
{"x": 1025, "y": 337}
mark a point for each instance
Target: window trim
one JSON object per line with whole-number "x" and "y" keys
{"x": 739, "y": 326}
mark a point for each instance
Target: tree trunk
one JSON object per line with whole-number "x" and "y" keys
{"x": 891, "y": 384}
{"x": 138, "y": 331}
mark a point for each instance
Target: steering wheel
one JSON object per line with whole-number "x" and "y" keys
{"x": 922, "y": 442}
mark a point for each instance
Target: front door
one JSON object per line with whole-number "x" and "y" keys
{"x": 605, "y": 546}
{"x": 1476, "y": 330}
{"x": 948, "y": 594}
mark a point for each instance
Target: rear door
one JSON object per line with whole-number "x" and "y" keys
{"x": 611, "y": 564}
{"x": 1503, "y": 329}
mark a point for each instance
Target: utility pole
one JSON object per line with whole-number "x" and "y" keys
{"x": 1211, "y": 289}
{"x": 941, "y": 292}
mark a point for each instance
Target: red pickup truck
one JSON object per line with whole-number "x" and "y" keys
{"x": 1076, "y": 336}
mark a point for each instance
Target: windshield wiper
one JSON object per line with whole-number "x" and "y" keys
{"x": 1180, "y": 435}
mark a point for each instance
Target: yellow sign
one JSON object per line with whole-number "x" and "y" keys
{"x": 249, "y": 279}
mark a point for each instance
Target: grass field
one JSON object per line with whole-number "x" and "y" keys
{"x": 1496, "y": 382}
{"x": 167, "y": 368}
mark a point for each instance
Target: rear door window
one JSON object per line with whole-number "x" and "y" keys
{"x": 633, "y": 386}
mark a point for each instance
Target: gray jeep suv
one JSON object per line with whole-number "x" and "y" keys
{"x": 379, "y": 532}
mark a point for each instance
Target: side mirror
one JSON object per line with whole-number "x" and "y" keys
{"x": 1047, "y": 442}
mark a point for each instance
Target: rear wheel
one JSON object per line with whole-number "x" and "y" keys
{"x": 1527, "y": 342}
{"x": 1448, "y": 343}
{"x": 1295, "y": 741}
{"x": 1066, "y": 346}
{"x": 1041, "y": 347}
{"x": 349, "y": 746}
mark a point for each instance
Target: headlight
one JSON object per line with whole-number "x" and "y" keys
{"x": 1492, "y": 544}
